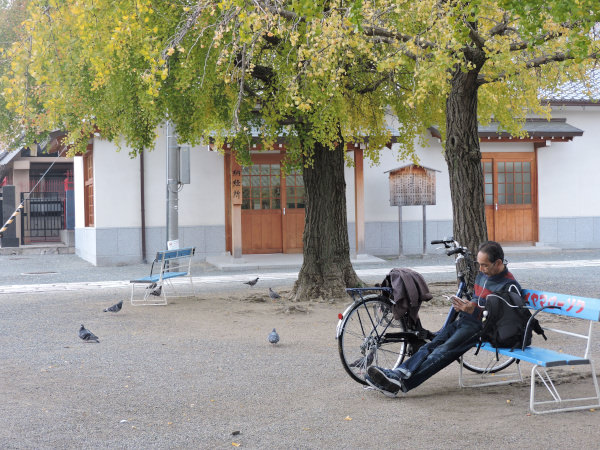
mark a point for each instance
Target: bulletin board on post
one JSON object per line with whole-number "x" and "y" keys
{"x": 412, "y": 185}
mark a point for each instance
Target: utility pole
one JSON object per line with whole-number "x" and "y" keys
{"x": 178, "y": 174}
{"x": 172, "y": 186}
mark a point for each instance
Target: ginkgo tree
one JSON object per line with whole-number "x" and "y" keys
{"x": 217, "y": 70}
{"x": 479, "y": 61}
{"x": 320, "y": 73}
{"x": 12, "y": 13}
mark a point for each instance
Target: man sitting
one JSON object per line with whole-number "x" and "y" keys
{"x": 457, "y": 337}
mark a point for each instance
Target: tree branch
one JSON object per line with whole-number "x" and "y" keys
{"x": 290, "y": 15}
{"x": 379, "y": 32}
{"x": 536, "y": 62}
{"x": 544, "y": 37}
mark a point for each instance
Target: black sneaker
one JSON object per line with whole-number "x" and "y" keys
{"x": 386, "y": 377}
{"x": 389, "y": 389}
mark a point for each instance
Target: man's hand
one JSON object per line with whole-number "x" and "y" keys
{"x": 460, "y": 304}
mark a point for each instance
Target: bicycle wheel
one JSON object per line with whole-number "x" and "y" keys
{"x": 366, "y": 338}
{"x": 485, "y": 362}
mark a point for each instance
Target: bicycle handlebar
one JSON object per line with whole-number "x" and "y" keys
{"x": 445, "y": 241}
{"x": 454, "y": 251}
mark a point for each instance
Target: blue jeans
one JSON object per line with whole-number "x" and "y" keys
{"x": 454, "y": 340}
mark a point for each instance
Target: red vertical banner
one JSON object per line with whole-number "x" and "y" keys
{"x": 236, "y": 183}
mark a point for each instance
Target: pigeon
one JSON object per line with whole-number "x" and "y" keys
{"x": 273, "y": 337}
{"x": 115, "y": 308}
{"x": 87, "y": 335}
{"x": 274, "y": 295}
{"x": 155, "y": 290}
{"x": 251, "y": 282}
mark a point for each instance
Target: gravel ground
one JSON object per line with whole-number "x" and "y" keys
{"x": 199, "y": 373}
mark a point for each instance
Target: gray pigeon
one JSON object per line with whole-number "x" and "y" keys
{"x": 273, "y": 337}
{"x": 274, "y": 295}
{"x": 115, "y": 308}
{"x": 251, "y": 282}
{"x": 156, "y": 290}
{"x": 87, "y": 335}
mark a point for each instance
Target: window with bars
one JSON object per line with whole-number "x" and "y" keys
{"x": 514, "y": 182}
{"x": 488, "y": 183}
{"x": 261, "y": 187}
{"x": 294, "y": 190}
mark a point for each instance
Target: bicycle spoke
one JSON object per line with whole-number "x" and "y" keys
{"x": 362, "y": 339}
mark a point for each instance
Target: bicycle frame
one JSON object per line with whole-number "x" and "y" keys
{"x": 409, "y": 336}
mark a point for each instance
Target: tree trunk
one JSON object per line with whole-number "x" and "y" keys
{"x": 463, "y": 157}
{"x": 326, "y": 271}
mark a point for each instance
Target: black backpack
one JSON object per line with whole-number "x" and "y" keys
{"x": 505, "y": 320}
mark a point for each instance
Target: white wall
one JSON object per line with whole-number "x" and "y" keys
{"x": 202, "y": 202}
{"x": 116, "y": 187}
{"x": 377, "y": 188}
{"x": 78, "y": 191}
{"x": 568, "y": 173}
{"x": 117, "y": 190}
{"x": 503, "y": 147}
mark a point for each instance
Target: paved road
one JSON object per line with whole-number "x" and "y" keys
{"x": 43, "y": 273}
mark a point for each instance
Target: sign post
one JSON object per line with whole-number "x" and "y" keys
{"x": 236, "y": 209}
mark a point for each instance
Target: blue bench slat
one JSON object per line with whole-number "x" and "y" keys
{"x": 173, "y": 274}
{"x": 570, "y": 305}
{"x": 178, "y": 253}
{"x": 155, "y": 278}
{"x": 540, "y": 356}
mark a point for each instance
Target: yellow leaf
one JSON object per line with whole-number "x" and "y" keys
{"x": 348, "y": 418}
{"x": 235, "y": 444}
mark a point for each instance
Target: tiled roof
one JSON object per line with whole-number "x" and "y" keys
{"x": 535, "y": 128}
{"x": 409, "y": 165}
{"x": 6, "y": 157}
{"x": 575, "y": 92}
{"x": 553, "y": 129}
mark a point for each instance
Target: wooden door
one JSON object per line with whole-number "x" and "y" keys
{"x": 272, "y": 207}
{"x": 293, "y": 212}
{"x": 261, "y": 208}
{"x": 510, "y": 189}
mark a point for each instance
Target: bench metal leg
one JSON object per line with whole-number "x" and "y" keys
{"x": 149, "y": 299}
{"x": 542, "y": 374}
{"x": 178, "y": 291}
{"x": 501, "y": 377}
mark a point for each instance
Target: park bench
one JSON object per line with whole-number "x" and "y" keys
{"x": 545, "y": 359}
{"x": 173, "y": 264}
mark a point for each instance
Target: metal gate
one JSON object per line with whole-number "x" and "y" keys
{"x": 43, "y": 217}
